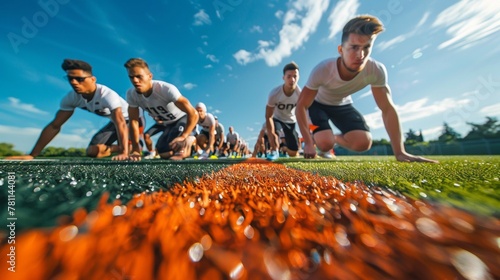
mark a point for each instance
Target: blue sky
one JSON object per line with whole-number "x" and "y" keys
{"x": 442, "y": 57}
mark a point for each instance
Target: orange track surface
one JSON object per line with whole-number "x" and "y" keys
{"x": 262, "y": 220}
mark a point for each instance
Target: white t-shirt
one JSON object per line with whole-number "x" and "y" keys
{"x": 207, "y": 122}
{"x": 219, "y": 131}
{"x": 160, "y": 104}
{"x": 232, "y": 138}
{"x": 284, "y": 106}
{"x": 104, "y": 101}
{"x": 332, "y": 90}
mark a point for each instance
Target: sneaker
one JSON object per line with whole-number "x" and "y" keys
{"x": 327, "y": 155}
{"x": 204, "y": 155}
{"x": 151, "y": 155}
{"x": 273, "y": 156}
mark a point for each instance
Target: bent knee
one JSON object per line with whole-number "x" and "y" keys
{"x": 361, "y": 146}
{"x": 92, "y": 151}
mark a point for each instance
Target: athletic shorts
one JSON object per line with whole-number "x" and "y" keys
{"x": 155, "y": 129}
{"x": 106, "y": 135}
{"x": 170, "y": 132}
{"x": 345, "y": 117}
{"x": 289, "y": 134}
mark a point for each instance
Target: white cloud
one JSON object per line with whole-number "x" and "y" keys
{"x": 299, "y": 22}
{"x": 417, "y": 109}
{"x": 243, "y": 57}
{"x": 208, "y": 66}
{"x": 279, "y": 14}
{"x": 256, "y": 29}
{"x": 228, "y": 67}
{"x": 432, "y": 133}
{"x": 388, "y": 44}
{"x": 250, "y": 129}
{"x": 212, "y": 58}
{"x": 190, "y": 86}
{"x": 468, "y": 22}
{"x": 16, "y": 105}
{"x": 492, "y": 110}
{"x": 401, "y": 38}
{"x": 24, "y": 138}
{"x": 341, "y": 14}
{"x": 201, "y": 18}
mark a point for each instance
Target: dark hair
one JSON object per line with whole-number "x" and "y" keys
{"x": 74, "y": 64}
{"x": 362, "y": 25}
{"x": 290, "y": 66}
{"x": 136, "y": 62}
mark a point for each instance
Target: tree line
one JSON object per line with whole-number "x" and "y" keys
{"x": 490, "y": 129}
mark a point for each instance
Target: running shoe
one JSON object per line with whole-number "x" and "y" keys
{"x": 273, "y": 156}
{"x": 327, "y": 155}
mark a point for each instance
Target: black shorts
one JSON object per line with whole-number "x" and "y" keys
{"x": 170, "y": 132}
{"x": 345, "y": 117}
{"x": 106, "y": 135}
{"x": 289, "y": 134}
{"x": 155, "y": 129}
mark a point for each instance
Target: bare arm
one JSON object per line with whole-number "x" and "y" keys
{"x": 306, "y": 98}
{"x": 192, "y": 119}
{"x": 184, "y": 104}
{"x": 122, "y": 130}
{"x": 273, "y": 138}
{"x": 133, "y": 115}
{"x": 50, "y": 131}
{"x": 392, "y": 125}
{"x": 211, "y": 137}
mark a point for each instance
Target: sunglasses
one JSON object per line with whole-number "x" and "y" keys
{"x": 78, "y": 79}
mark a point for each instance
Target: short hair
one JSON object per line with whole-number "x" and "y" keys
{"x": 202, "y": 106}
{"x": 136, "y": 62}
{"x": 74, "y": 64}
{"x": 362, "y": 25}
{"x": 290, "y": 66}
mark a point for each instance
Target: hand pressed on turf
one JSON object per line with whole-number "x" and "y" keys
{"x": 23, "y": 157}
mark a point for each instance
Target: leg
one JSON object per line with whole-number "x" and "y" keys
{"x": 356, "y": 140}
{"x": 148, "y": 141}
{"x": 101, "y": 143}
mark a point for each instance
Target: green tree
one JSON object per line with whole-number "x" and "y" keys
{"x": 52, "y": 152}
{"x": 381, "y": 142}
{"x": 413, "y": 138}
{"x": 448, "y": 134}
{"x": 7, "y": 149}
{"x": 489, "y": 129}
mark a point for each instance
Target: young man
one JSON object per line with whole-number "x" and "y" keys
{"x": 280, "y": 113}
{"x": 233, "y": 142}
{"x": 220, "y": 138}
{"x": 97, "y": 99}
{"x": 206, "y": 138}
{"x": 327, "y": 95}
{"x": 163, "y": 102}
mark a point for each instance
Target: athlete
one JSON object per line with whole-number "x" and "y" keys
{"x": 233, "y": 142}
{"x": 97, "y": 99}
{"x": 280, "y": 113}
{"x": 220, "y": 137}
{"x": 165, "y": 103}
{"x": 206, "y": 138}
{"x": 327, "y": 95}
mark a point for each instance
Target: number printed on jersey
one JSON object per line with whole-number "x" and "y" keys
{"x": 160, "y": 113}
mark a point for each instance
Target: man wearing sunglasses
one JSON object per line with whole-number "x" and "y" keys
{"x": 95, "y": 98}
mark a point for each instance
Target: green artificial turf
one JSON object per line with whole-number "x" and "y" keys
{"x": 48, "y": 190}
{"x": 468, "y": 182}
